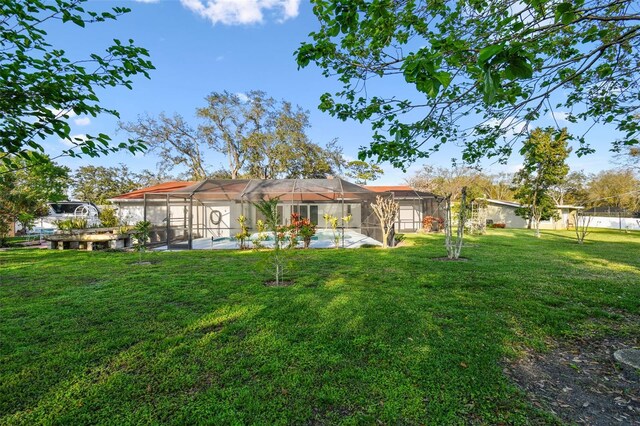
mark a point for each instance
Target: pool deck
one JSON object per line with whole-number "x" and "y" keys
{"x": 324, "y": 239}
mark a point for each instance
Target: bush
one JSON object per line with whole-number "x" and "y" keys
{"x": 70, "y": 224}
{"x": 498, "y": 225}
{"x": 432, "y": 223}
{"x": 398, "y": 238}
{"x": 109, "y": 218}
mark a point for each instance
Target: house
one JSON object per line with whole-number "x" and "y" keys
{"x": 498, "y": 211}
{"x": 183, "y": 212}
{"x": 414, "y": 205}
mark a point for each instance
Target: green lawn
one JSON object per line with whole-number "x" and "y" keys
{"x": 363, "y": 336}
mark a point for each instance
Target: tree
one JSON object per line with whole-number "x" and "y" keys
{"x": 277, "y": 257}
{"x": 239, "y": 128}
{"x": 174, "y": 140}
{"x": 40, "y": 86}
{"x": 27, "y": 184}
{"x": 97, "y": 184}
{"x": 445, "y": 181}
{"x": 582, "y": 226}
{"x": 454, "y": 245}
{"x": 264, "y": 138}
{"x": 500, "y": 187}
{"x": 362, "y": 172}
{"x": 572, "y": 189}
{"x": 616, "y": 188}
{"x": 387, "y": 211}
{"x": 544, "y": 165}
{"x": 630, "y": 157}
{"x": 149, "y": 178}
{"x": 480, "y": 70}
{"x": 312, "y": 161}
{"x": 261, "y": 138}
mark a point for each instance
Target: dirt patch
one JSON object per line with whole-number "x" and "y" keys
{"x": 282, "y": 283}
{"x": 580, "y": 382}
{"x": 446, "y": 259}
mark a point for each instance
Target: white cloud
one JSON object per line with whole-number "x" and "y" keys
{"x": 146, "y": 1}
{"x": 242, "y": 97}
{"x": 82, "y": 121}
{"x": 219, "y": 58}
{"x": 74, "y": 140}
{"x": 242, "y": 12}
{"x": 558, "y": 115}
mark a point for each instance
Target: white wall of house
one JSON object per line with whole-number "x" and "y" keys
{"x": 505, "y": 214}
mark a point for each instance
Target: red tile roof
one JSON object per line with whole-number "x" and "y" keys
{"x": 138, "y": 194}
{"x": 389, "y": 188}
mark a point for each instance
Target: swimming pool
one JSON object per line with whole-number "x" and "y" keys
{"x": 324, "y": 238}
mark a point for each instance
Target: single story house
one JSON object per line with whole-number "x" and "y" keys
{"x": 498, "y": 211}
{"x": 182, "y": 212}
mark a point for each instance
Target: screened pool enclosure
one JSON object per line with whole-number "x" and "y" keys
{"x": 209, "y": 210}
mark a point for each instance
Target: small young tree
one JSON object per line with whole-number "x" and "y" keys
{"x": 454, "y": 245}
{"x": 244, "y": 234}
{"x": 142, "y": 230}
{"x": 387, "y": 210}
{"x": 331, "y": 220}
{"x": 269, "y": 209}
{"x": 582, "y": 226}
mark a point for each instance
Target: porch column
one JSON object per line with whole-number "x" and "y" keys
{"x": 191, "y": 222}
{"x": 168, "y": 221}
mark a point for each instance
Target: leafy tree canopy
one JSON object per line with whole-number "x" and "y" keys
{"x": 40, "y": 85}
{"x": 545, "y": 154}
{"x": 30, "y": 184}
{"x": 616, "y": 188}
{"x": 362, "y": 172}
{"x": 450, "y": 181}
{"x": 96, "y": 184}
{"x": 261, "y": 138}
{"x": 478, "y": 68}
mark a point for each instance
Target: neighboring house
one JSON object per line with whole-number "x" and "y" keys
{"x": 182, "y": 212}
{"x": 498, "y": 211}
{"x": 414, "y": 205}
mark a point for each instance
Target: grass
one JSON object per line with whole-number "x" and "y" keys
{"x": 16, "y": 241}
{"x": 363, "y": 336}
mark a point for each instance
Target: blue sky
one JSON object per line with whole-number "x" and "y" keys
{"x": 199, "y": 47}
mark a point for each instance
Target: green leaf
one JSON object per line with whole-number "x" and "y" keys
{"x": 489, "y": 52}
{"x": 519, "y": 67}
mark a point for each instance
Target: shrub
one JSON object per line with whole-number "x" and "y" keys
{"x": 142, "y": 230}
{"x": 244, "y": 231}
{"x": 302, "y": 227}
{"x": 498, "y": 225}
{"x": 432, "y": 223}
{"x": 70, "y": 224}
{"x": 398, "y": 238}
{"x": 109, "y": 218}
